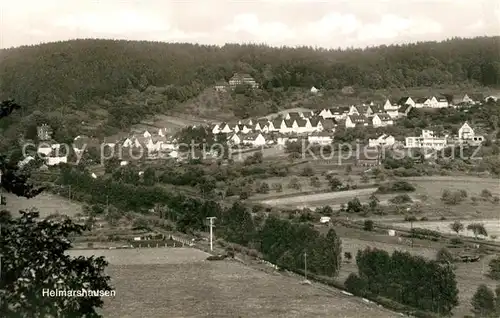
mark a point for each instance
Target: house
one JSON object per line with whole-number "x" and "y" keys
{"x": 406, "y": 101}
{"x": 314, "y": 90}
{"x": 225, "y": 128}
{"x": 404, "y": 110}
{"x": 55, "y": 157}
{"x": 365, "y": 110}
{"x": 467, "y": 134}
{"x": 47, "y": 148}
{"x": 242, "y": 79}
{"x": 235, "y": 139}
{"x": 422, "y": 102}
{"x": 241, "y": 128}
{"x": 154, "y": 144}
{"x": 146, "y": 134}
{"x": 315, "y": 123}
{"x": 308, "y": 114}
{"x": 44, "y": 132}
{"x": 390, "y": 107}
{"x": 442, "y": 102}
{"x": 382, "y": 120}
{"x": 286, "y": 126}
{"x": 340, "y": 113}
{"x": 255, "y": 140}
{"x": 301, "y": 126}
{"x": 162, "y": 132}
{"x": 426, "y": 140}
{"x": 215, "y": 129}
{"x": 356, "y": 120}
{"x": 220, "y": 86}
{"x": 322, "y": 138}
{"x": 262, "y": 126}
{"x": 293, "y": 115}
{"x": 248, "y": 122}
{"x": 382, "y": 141}
{"x": 325, "y": 113}
{"x": 491, "y": 98}
{"x": 274, "y": 125}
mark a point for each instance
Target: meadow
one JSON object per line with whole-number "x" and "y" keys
{"x": 45, "y": 203}
{"x": 178, "y": 282}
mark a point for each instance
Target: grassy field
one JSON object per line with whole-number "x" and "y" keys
{"x": 45, "y": 203}
{"x": 320, "y": 199}
{"x": 180, "y": 283}
{"x": 492, "y": 226}
{"x": 431, "y": 189}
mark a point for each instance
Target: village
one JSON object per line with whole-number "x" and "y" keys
{"x": 276, "y": 130}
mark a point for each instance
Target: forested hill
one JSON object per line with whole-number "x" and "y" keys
{"x": 82, "y": 69}
{"x": 118, "y": 76}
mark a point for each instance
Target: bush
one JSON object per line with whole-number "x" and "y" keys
{"x": 444, "y": 256}
{"x": 486, "y": 194}
{"x": 453, "y": 197}
{"x": 308, "y": 171}
{"x": 494, "y": 265}
{"x": 278, "y": 187}
{"x": 456, "y": 241}
{"x": 263, "y": 188}
{"x": 356, "y": 285}
{"x": 401, "y": 199}
{"x": 368, "y": 225}
{"x": 315, "y": 182}
{"x": 398, "y": 186}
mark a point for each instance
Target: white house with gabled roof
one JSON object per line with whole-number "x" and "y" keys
{"x": 382, "y": 141}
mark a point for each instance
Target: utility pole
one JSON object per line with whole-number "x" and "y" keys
{"x": 305, "y": 265}
{"x": 211, "y": 219}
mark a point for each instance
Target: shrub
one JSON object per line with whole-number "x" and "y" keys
{"x": 456, "y": 241}
{"x": 356, "y": 285}
{"x": 308, "y": 171}
{"x": 398, "y": 186}
{"x": 263, "y": 188}
{"x": 444, "y": 256}
{"x": 401, "y": 199}
{"x": 453, "y": 197}
{"x": 486, "y": 194}
{"x": 494, "y": 268}
{"x": 368, "y": 225}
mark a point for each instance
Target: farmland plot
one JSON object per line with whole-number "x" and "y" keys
{"x": 46, "y": 203}
{"x": 330, "y": 198}
{"x": 180, "y": 283}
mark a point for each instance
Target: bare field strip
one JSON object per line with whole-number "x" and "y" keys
{"x": 184, "y": 285}
{"x": 492, "y": 226}
{"x": 46, "y": 203}
{"x": 320, "y": 197}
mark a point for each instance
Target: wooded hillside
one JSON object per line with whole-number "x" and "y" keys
{"x": 82, "y": 69}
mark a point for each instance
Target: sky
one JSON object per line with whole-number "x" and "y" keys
{"x": 330, "y": 24}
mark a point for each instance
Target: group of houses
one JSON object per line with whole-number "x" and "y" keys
{"x": 258, "y": 132}
{"x": 431, "y": 140}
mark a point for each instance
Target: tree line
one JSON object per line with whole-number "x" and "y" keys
{"x": 410, "y": 280}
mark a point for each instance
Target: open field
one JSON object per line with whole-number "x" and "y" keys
{"x": 320, "y": 199}
{"x": 492, "y": 226}
{"x": 45, "y": 203}
{"x": 180, "y": 283}
{"x": 171, "y": 123}
{"x": 431, "y": 189}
